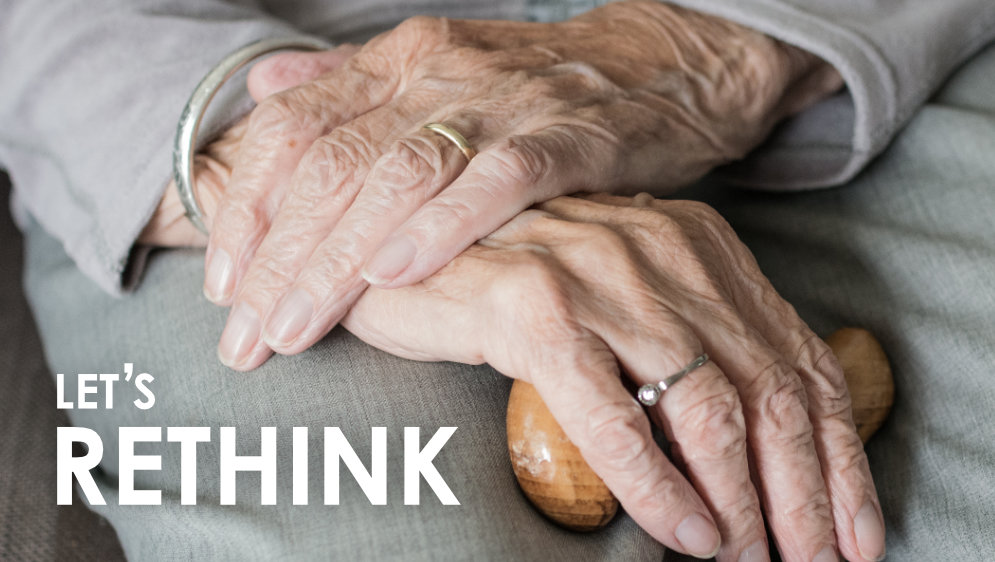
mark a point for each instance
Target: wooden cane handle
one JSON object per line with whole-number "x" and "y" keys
{"x": 557, "y": 480}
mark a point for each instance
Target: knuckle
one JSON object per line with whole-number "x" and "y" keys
{"x": 521, "y": 161}
{"x": 745, "y": 511}
{"x": 267, "y": 273}
{"x": 240, "y": 215}
{"x": 786, "y": 392}
{"x": 850, "y": 460}
{"x": 541, "y": 301}
{"x": 334, "y": 268}
{"x": 811, "y": 348}
{"x": 538, "y": 278}
{"x": 784, "y": 405}
{"x": 349, "y": 148}
{"x": 619, "y": 434}
{"x": 656, "y": 492}
{"x": 407, "y": 168}
{"x": 275, "y": 114}
{"x": 833, "y": 400}
{"x": 812, "y": 517}
{"x": 717, "y": 426}
{"x": 328, "y": 164}
{"x": 831, "y": 395}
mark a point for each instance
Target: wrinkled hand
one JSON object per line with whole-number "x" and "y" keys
{"x": 579, "y": 292}
{"x": 212, "y": 166}
{"x": 338, "y": 185}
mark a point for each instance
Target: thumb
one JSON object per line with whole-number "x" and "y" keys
{"x": 293, "y": 68}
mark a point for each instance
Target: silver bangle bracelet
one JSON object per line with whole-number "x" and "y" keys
{"x": 193, "y": 112}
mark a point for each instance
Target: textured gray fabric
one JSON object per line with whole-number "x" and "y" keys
{"x": 88, "y": 121}
{"x": 907, "y": 250}
{"x": 167, "y": 329}
{"x": 32, "y": 526}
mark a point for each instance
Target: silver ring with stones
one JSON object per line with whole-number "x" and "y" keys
{"x": 649, "y": 394}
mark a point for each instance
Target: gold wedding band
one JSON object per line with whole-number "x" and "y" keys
{"x": 454, "y": 136}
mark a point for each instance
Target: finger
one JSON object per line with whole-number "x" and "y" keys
{"x": 324, "y": 185}
{"x": 237, "y": 339}
{"x": 411, "y": 172}
{"x": 788, "y": 470}
{"x": 702, "y": 414}
{"x": 289, "y": 69}
{"x": 281, "y": 129}
{"x": 582, "y": 390}
{"x": 856, "y": 511}
{"x": 779, "y": 432}
{"x": 859, "y": 521}
{"x": 577, "y": 376}
{"x": 409, "y": 335}
{"x": 499, "y": 183}
{"x": 704, "y": 418}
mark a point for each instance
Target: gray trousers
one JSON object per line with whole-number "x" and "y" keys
{"x": 907, "y": 251}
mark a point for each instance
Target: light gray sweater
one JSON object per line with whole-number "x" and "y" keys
{"x": 91, "y": 90}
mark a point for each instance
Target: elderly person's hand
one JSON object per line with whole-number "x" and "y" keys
{"x": 337, "y": 184}
{"x": 580, "y": 293}
{"x": 573, "y": 295}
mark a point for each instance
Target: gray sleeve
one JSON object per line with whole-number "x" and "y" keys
{"x": 92, "y": 90}
{"x": 892, "y": 54}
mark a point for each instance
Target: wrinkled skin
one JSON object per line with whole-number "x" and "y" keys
{"x": 570, "y": 295}
{"x": 337, "y": 185}
{"x": 578, "y": 292}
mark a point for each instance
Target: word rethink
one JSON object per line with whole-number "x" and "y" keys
{"x": 337, "y": 450}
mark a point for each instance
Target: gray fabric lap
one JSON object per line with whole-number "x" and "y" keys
{"x": 169, "y": 330}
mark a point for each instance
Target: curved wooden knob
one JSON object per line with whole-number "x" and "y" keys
{"x": 560, "y": 484}
{"x": 550, "y": 469}
{"x": 868, "y": 377}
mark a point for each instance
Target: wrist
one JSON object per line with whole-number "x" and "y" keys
{"x": 759, "y": 82}
{"x": 743, "y": 82}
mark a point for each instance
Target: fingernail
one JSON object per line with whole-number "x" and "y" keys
{"x": 289, "y": 318}
{"x": 756, "y": 552}
{"x": 240, "y": 335}
{"x": 827, "y": 554}
{"x": 393, "y": 258}
{"x": 870, "y": 533}
{"x": 698, "y": 536}
{"x": 218, "y": 279}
